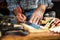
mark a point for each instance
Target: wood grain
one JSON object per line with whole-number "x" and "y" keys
{"x": 34, "y": 36}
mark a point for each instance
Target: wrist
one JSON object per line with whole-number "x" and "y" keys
{"x": 16, "y": 12}
{"x": 41, "y": 8}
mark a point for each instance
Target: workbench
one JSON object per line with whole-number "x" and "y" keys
{"x": 34, "y": 36}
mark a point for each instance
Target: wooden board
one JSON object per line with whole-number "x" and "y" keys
{"x": 34, "y": 36}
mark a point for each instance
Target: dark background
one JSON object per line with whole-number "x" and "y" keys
{"x": 56, "y": 8}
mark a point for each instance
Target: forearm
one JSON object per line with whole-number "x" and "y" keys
{"x": 41, "y": 9}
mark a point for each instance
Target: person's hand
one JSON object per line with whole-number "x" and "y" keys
{"x": 36, "y": 17}
{"x": 38, "y": 14}
{"x": 20, "y": 18}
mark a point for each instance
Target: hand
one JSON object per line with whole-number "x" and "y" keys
{"x": 20, "y": 17}
{"x": 36, "y": 17}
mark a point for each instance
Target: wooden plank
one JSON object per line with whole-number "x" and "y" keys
{"x": 33, "y": 36}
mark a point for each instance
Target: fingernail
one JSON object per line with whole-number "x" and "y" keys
{"x": 30, "y": 21}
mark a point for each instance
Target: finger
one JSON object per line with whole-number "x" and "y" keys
{"x": 41, "y": 17}
{"x": 24, "y": 17}
{"x": 19, "y": 19}
{"x": 34, "y": 20}
{"x": 31, "y": 19}
{"x": 37, "y": 20}
{"x": 20, "y": 16}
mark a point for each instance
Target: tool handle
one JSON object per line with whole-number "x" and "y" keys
{"x": 57, "y": 22}
{"x": 20, "y": 10}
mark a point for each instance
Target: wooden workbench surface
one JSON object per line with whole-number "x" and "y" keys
{"x": 34, "y": 36}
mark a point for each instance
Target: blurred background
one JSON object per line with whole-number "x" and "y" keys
{"x": 55, "y": 8}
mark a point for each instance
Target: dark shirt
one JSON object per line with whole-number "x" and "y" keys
{"x": 3, "y": 7}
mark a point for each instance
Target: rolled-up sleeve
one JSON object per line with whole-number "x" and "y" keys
{"x": 48, "y": 3}
{"x": 12, "y": 4}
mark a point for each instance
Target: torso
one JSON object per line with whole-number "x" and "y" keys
{"x": 28, "y": 4}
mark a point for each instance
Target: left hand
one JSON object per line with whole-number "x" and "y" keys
{"x": 20, "y": 17}
{"x": 36, "y": 17}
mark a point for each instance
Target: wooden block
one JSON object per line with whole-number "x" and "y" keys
{"x": 31, "y": 29}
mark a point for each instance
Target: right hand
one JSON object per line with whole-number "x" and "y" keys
{"x": 20, "y": 17}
